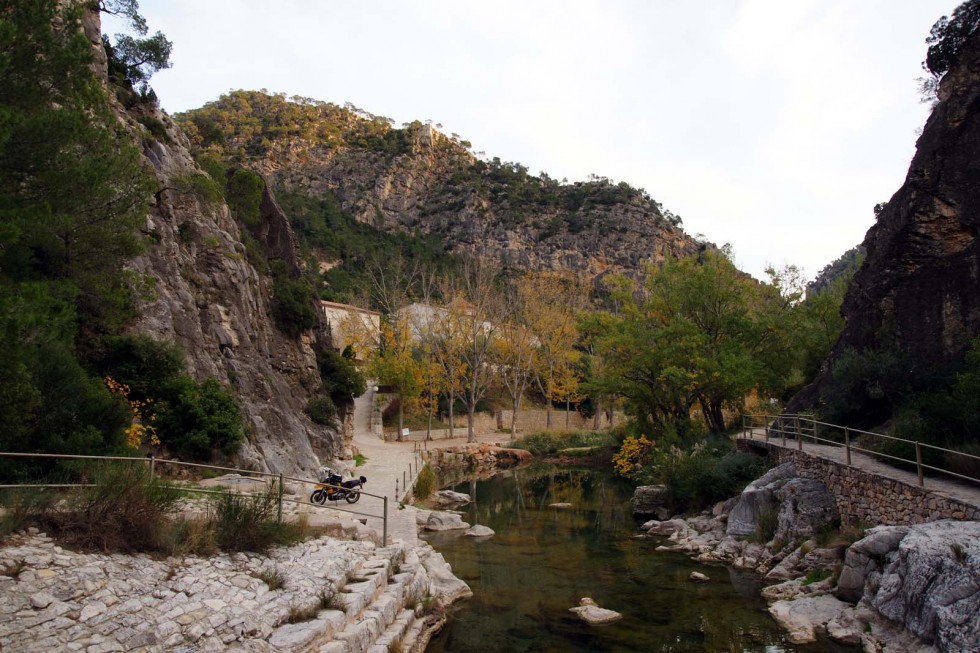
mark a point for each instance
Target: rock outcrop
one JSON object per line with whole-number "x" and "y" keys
{"x": 917, "y": 588}
{"x": 208, "y": 298}
{"x": 420, "y": 181}
{"x": 917, "y": 295}
{"x": 925, "y": 576}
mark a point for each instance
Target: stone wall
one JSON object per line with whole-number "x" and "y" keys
{"x": 867, "y": 498}
{"x": 536, "y": 419}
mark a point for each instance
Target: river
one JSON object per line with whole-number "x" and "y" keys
{"x": 542, "y": 560}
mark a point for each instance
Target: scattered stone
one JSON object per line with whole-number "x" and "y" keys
{"x": 593, "y": 615}
{"x": 698, "y": 577}
{"x": 41, "y": 600}
{"x": 560, "y": 506}
{"x": 450, "y": 498}
{"x": 479, "y": 531}
{"x": 444, "y": 521}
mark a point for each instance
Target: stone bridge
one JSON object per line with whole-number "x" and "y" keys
{"x": 869, "y": 492}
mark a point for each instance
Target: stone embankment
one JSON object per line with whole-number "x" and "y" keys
{"x": 324, "y": 595}
{"x": 907, "y": 588}
{"x": 867, "y": 496}
{"x": 473, "y": 460}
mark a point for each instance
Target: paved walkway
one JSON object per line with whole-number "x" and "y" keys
{"x": 389, "y": 466}
{"x": 942, "y": 485}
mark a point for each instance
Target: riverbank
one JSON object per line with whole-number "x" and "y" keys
{"x": 326, "y": 595}
{"x": 908, "y": 588}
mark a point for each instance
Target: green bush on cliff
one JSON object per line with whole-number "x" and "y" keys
{"x": 293, "y": 306}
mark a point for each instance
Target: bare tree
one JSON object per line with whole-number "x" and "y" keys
{"x": 515, "y": 354}
{"x": 475, "y": 310}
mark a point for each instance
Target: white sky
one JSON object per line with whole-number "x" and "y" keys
{"x": 773, "y": 125}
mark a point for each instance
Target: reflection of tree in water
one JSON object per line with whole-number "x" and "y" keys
{"x": 543, "y": 560}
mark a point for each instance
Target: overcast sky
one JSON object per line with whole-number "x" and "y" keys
{"x": 773, "y": 125}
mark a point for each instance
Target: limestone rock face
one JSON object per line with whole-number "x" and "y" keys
{"x": 925, "y": 576}
{"x": 208, "y": 299}
{"x": 918, "y": 292}
{"x": 804, "y": 506}
{"x": 431, "y": 184}
{"x": 757, "y": 498}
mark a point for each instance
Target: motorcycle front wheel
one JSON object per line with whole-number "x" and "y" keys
{"x": 352, "y": 497}
{"x": 318, "y": 497}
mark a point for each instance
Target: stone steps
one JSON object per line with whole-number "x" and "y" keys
{"x": 379, "y": 603}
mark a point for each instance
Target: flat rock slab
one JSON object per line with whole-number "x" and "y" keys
{"x": 593, "y": 615}
{"x": 802, "y": 617}
{"x": 560, "y": 506}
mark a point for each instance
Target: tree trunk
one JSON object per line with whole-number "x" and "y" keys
{"x": 428, "y": 427}
{"x": 401, "y": 419}
{"x": 568, "y": 406}
{"x": 470, "y": 435}
{"x": 513, "y": 418}
{"x": 597, "y": 412}
{"x": 452, "y": 400}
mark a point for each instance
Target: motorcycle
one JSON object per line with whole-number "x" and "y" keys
{"x": 330, "y": 487}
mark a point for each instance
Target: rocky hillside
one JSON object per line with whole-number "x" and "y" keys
{"x": 914, "y": 306}
{"x": 415, "y": 179}
{"x": 210, "y": 300}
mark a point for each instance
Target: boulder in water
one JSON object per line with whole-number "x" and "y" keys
{"x": 444, "y": 521}
{"x": 479, "y": 531}
{"x": 593, "y": 615}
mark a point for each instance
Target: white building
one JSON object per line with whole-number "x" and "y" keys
{"x": 344, "y": 318}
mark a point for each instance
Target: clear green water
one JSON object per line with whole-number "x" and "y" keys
{"x": 543, "y": 560}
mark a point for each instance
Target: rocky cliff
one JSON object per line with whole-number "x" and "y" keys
{"x": 916, "y": 298}
{"x": 420, "y": 181}
{"x": 210, "y": 300}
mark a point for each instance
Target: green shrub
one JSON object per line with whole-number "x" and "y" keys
{"x": 549, "y": 442}
{"x": 246, "y": 522}
{"x": 704, "y": 473}
{"x": 340, "y": 377}
{"x": 425, "y": 484}
{"x": 196, "y": 419}
{"x": 765, "y": 530}
{"x": 201, "y": 186}
{"x": 274, "y": 578}
{"x": 816, "y": 575}
{"x": 293, "y": 306}
{"x": 122, "y": 511}
{"x": 24, "y": 508}
{"x": 156, "y": 128}
{"x": 244, "y": 196}
{"x": 322, "y": 410}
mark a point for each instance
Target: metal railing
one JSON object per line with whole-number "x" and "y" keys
{"x": 806, "y": 428}
{"x": 152, "y": 463}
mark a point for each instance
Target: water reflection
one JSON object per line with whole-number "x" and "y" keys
{"x": 543, "y": 560}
